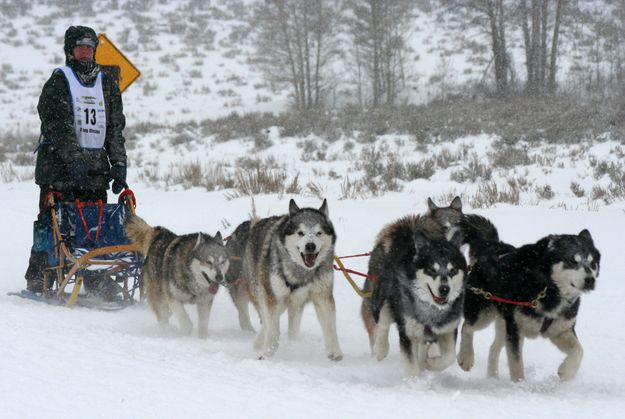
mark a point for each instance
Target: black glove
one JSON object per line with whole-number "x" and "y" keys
{"x": 118, "y": 174}
{"x": 78, "y": 172}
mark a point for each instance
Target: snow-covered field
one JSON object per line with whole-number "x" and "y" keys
{"x": 59, "y": 362}
{"x": 78, "y": 363}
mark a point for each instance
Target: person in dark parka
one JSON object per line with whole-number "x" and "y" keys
{"x": 81, "y": 146}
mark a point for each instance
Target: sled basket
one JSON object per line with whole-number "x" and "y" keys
{"x": 86, "y": 244}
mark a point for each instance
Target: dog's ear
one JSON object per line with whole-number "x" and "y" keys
{"x": 551, "y": 241}
{"x": 431, "y": 205}
{"x": 293, "y": 208}
{"x": 585, "y": 234}
{"x": 218, "y": 237}
{"x": 324, "y": 208}
{"x": 198, "y": 241}
{"x": 456, "y": 204}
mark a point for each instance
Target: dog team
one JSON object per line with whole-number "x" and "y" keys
{"x": 426, "y": 274}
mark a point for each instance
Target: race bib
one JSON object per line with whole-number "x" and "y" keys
{"x": 89, "y": 110}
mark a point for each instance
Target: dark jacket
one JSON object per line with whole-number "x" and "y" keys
{"x": 58, "y": 148}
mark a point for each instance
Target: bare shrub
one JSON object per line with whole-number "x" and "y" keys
{"x": 294, "y": 188}
{"x": 188, "y": 175}
{"x": 472, "y": 171}
{"x": 424, "y": 169}
{"x": 488, "y": 194}
{"x": 316, "y": 189}
{"x": 598, "y": 193}
{"x": 617, "y": 183}
{"x": 261, "y": 141}
{"x": 382, "y": 169}
{"x": 506, "y": 156}
{"x": 577, "y": 189}
{"x": 249, "y": 163}
{"x": 352, "y": 189}
{"x": 182, "y": 138}
{"x": 446, "y": 158}
{"x": 238, "y": 126}
{"x": 312, "y": 149}
{"x": 258, "y": 181}
{"x": 519, "y": 183}
{"x": 545, "y": 192}
{"x": 601, "y": 168}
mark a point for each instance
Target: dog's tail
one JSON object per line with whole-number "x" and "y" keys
{"x": 139, "y": 232}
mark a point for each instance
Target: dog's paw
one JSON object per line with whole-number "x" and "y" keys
{"x": 335, "y": 356}
{"x": 439, "y": 363}
{"x": 466, "y": 360}
{"x": 380, "y": 349}
{"x": 413, "y": 369}
{"x": 565, "y": 372}
{"x": 259, "y": 342}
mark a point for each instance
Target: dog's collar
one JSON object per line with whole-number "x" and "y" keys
{"x": 291, "y": 287}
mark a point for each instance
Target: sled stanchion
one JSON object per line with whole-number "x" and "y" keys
{"x": 356, "y": 288}
{"x": 75, "y": 291}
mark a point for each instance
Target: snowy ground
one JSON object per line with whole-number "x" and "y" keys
{"x": 57, "y": 362}
{"x": 78, "y": 363}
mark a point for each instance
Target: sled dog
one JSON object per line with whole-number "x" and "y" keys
{"x": 179, "y": 270}
{"x": 542, "y": 284}
{"x": 287, "y": 262}
{"x": 416, "y": 278}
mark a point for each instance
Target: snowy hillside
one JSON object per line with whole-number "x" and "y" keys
{"x": 197, "y": 62}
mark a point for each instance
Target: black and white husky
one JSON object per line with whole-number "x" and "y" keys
{"x": 416, "y": 279}
{"x": 530, "y": 291}
{"x": 285, "y": 262}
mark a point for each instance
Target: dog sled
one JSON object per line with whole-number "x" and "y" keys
{"x": 90, "y": 261}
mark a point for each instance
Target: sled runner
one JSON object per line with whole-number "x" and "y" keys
{"x": 88, "y": 251}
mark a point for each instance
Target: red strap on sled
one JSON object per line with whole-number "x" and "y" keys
{"x": 100, "y": 205}
{"x": 52, "y": 197}
{"x": 131, "y": 196}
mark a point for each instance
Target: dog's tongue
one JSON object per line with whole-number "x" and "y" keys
{"x": 310, "y": 259}
{"x": 213, "y": 287}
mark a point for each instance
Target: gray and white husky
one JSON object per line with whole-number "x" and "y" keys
{"x": 179, "y": 270}
{"x": 286, "y": 261}
{"x": 416, "y": 280}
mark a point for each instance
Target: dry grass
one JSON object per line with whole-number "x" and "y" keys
{"x": 489, "y": 193}
{"x": 260, "y": 180}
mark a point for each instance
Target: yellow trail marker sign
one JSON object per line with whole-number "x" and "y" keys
{"x": 110, "y": 57}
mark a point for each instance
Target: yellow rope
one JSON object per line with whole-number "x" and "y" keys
{"x": 360, "y": 292}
